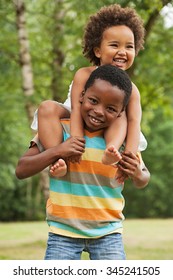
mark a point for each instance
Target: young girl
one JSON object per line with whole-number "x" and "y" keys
{"x": 114, "y": 35}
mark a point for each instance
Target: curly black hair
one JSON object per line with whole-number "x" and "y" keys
{"x": 115, "y": 76}
{"x": 107, "y": 17}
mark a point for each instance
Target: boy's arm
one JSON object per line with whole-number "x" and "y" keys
{"x": 33, "y": 162}
{"x": 134, "y": 115}
{"x": 134, "y": 167}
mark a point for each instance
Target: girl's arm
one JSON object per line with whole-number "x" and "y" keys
{"x": 80, "y": 78}
{"x": 134, "y": 115}
{"x": 116, "y": 133}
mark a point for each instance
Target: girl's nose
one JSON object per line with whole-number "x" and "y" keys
{"x": 121, "y": 52}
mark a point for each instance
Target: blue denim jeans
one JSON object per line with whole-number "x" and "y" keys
{"x": 109, "y": 247}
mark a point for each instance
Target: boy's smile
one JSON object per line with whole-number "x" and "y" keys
{"x": 101, "y": 104}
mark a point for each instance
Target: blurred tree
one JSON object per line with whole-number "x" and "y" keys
{"x": 24, "y": 57}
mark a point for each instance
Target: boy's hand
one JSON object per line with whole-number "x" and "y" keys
{"x": 129, "y": 165}
{"x": 72, "y": 147}
{"x": 74, "y": 159}
{"x": 120, "y": 176}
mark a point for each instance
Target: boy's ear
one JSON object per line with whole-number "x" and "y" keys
{"x": 97, "y": 52}
{"x": 81, "y": 96}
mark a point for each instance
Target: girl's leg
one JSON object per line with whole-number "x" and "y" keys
{"x": 49, "y": 126}
{"x": 58, "y": 169}
{"x": 50, "y": 129}
{"x": 114, "y": 137}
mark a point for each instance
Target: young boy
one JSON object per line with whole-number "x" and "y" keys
{"x": 84, "y": 209}
{"x": 114, "y": 35}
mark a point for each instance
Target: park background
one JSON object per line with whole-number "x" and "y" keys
{"x": 40, "y": 50}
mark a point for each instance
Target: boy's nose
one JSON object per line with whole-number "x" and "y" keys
{"x": 99, "y": 110}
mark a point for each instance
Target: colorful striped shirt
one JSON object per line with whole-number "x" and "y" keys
{"x": 87, "y": 202}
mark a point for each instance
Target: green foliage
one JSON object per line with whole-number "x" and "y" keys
{"x": 156, "y": 199}
{"x": 19, "y": 199}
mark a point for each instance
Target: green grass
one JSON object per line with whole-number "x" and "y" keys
{"x": 149, "y": 239}
{"x": 144, "y": 239}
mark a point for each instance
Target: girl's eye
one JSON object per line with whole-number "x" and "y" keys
{"x": 130, "y": 47}
{"x": 114, "y": 45}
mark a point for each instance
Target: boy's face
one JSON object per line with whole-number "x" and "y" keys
{"x": 101, "y": 104}
{"x": 117, "y": 47}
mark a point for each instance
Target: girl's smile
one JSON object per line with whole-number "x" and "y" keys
{"x": 117, "y": 47}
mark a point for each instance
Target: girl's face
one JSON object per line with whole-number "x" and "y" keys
{"x": 101, "y": 104}
{"x": 117, "y": 47}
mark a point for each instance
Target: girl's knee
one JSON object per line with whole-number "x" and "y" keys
{"x": 48, "y": 108}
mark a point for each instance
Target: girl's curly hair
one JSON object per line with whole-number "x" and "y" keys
{"x": 106, "y": 17}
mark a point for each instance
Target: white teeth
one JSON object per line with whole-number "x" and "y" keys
{"x": 94, "y": 120}
{"x": 119, "y": 60}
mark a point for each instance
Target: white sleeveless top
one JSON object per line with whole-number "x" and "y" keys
{"x": 66, "y": 105}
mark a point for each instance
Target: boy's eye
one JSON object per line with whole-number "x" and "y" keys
{"x": 111, "y": 109}
{"x": 92, "y": 100}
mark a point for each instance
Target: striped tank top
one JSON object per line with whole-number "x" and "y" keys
{"x": 87, "y": 202}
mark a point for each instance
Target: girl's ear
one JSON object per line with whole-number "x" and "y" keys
{"x": 97, "y": 52}
{"x": 81, "y": 96}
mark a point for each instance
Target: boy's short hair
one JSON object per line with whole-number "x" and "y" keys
{"x": 106, "y": 17}
{"x": 115, "y": 76}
